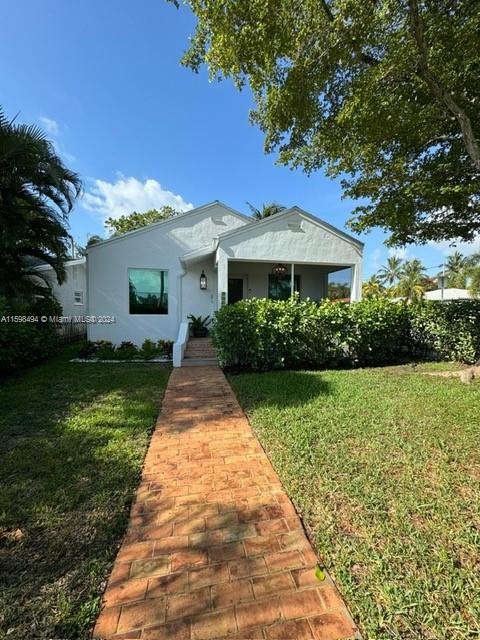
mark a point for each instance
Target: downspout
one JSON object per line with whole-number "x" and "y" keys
{"x": 87, "y": 292}
{"x": 180, "y": 277}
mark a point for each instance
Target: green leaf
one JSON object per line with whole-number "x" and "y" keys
{"x": 319, "y": 573}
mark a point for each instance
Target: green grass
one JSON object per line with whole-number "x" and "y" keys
{"x": 384, "y": 466}
{"x": 72, "y": 442}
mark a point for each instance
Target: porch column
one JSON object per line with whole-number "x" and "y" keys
{"x": 292, "y": 280}
{"x": 222, "y": 276}
{"x": 356, "y": 292}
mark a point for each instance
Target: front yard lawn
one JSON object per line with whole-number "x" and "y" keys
{"x": 384, "y": 466}
{"x": 72, "y": 442}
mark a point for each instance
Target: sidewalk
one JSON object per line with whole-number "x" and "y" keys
{"x": 214, "y": 547}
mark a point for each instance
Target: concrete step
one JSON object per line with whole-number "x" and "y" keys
{"x": 200, "y": 353}
{"x": 203, "y": 356}
{"x": 199, "y": 362}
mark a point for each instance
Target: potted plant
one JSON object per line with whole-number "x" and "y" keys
{"x": 199, "y": 325}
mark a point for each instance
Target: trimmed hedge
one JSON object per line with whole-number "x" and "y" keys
{"x": 448, "y": 330}
{"x": 262, "y": 334}
{"x": 22, "y": 344}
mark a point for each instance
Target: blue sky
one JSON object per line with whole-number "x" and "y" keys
{"x": 104, "y": 79}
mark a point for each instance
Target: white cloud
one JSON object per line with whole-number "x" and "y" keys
{"x": 447, "y": 247}
{"x": 50, "y": 125}
{"x": 114, "y": 199}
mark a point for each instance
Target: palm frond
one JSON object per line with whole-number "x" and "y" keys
{"x": 37, "y": 193}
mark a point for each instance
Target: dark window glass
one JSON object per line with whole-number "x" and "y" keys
{"x": 148, "y": 291}
{"x": 279, "y": 286}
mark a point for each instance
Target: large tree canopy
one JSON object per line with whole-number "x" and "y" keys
{"x": 385, "y": 94}
{"x": 37, "y": 192}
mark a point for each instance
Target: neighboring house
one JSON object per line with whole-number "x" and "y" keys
{"x": 448, "y": 294}
{"x": 72, "y": 294}
{"x": 149, "y": 280}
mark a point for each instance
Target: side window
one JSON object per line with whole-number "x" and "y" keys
{"x": 78, "y": 297}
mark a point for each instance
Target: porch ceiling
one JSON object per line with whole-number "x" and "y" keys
{"x": 325, "y": 267}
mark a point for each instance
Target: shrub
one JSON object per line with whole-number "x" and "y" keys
{"x": 165, "y": 348}
{"x": 149, "y": 349}
{"x": 105, "y": 350}
{"x": 448, "y": 330}
{"x": 25, "y": 343}
{"x": 102, "y": 349}
{"x": 87, "y": 349}
{"x": 126, "y": 351}
{"x": 264, "y": 334}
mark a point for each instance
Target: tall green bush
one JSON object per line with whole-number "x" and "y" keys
{"x": 25, "y": 343}
{"x": 449, "y": 330}
{"x": 264, "y": 334}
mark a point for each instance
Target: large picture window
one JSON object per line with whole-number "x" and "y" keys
{"x": 148, "y": 291}
{"x": 279, "y": 286}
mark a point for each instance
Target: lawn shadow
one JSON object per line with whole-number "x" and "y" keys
{"x": 279, "y": 389}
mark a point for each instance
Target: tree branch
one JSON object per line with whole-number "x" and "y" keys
{"x": 443, "y": 96}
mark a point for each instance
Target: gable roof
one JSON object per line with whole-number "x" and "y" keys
{"x": 171, "y": 222}
{"x": 285, "y": 214}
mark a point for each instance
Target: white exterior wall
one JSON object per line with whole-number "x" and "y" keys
{"x": 196, "y": 301}
{"x": 76, "y": 280}
{"x": 155, "y": 247}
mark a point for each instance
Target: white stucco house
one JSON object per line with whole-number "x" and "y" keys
{"x": 144, "y": 284}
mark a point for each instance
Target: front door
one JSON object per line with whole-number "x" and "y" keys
{"x": 235, "y": 290}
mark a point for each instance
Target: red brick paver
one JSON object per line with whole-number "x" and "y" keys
{"x": 214, "y": 548}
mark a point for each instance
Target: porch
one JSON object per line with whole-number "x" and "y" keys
{"x": 278, "y": 281}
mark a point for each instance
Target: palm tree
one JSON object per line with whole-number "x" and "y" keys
{"x": 266, "y": 211}
{"x": 390, "y": 273}
{"x": 455, "y": 269}
{"x": 412, "y": 280}
{"x": 37, "y": 192}
{"x": 373, "y": 288}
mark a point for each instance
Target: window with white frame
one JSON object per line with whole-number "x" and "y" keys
{"x": 78, "y": 297}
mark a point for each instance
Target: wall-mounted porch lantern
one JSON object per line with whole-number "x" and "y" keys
{"x": 279, "y": 270}
{"x": 203, "y": 281}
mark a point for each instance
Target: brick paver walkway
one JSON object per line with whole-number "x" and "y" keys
{"x": 214, "y": 548}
